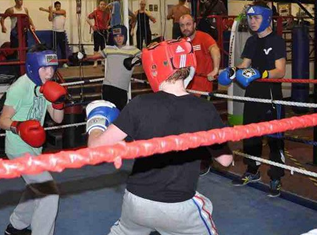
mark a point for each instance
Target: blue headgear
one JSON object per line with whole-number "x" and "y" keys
{"x": 119, "y": 30}
{"x": 36, "y": 60}
{"x": 266, "y": 14}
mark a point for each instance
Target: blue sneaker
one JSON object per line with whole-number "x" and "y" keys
{"x": 246, "y": 178}
{"x": 275, "y": 188}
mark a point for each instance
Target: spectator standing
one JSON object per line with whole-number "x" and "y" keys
{"x": 101, "y": 17}
{"x": 207, "y": 24}
{"x": 58, "y": 19}
{"x": 207, "y": 53}
{"x": 265, "y": 52}
{"x": 264, "y": 56}
{"x": 18, "y": 8}
{"x": 175, "y": 13}
{"x": 208, "y": 62}
{"x": 143, "y": 31}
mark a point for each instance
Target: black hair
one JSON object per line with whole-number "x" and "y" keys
{"x": 38, "y": 48}
{"x": 56, "y": 3}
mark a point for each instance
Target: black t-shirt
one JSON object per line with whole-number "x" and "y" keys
{"x": 263, "y": 53}
{"x": 173, "y": 176}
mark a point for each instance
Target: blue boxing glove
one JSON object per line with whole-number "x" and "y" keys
{"x": 100, "y": 114}
{"x": 227, "y": 75}
{"x": 246, "y": 76}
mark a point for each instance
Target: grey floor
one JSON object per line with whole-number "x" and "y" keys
{"x": 91, "y": 200}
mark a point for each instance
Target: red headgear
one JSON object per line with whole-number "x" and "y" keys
{"x": 163, "y": 59}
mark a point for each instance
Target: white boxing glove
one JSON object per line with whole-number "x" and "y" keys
{"x": 100, "y": 114}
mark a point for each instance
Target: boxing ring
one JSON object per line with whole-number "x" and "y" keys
{"x": 91, "y": 196}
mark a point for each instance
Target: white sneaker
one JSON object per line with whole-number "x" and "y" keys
{"x": 95, "y": 63}
{"x": 65, "y": 65}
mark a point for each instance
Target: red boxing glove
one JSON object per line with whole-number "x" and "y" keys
{"x": 54, "y": 93}
{"x": 30, "y": 131}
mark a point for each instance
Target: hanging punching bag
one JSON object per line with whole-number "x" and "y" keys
{"x": 300, "y": 66}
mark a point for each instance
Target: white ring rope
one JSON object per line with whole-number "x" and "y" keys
{"x": 139, "y": 81}
{"x": 269, "y": 162}
{"x": 258, "y": 100}
{"x": 59, "y": 127}
{"x": 249, "y": 99}
{"x": 98, "y": 80}
{"x": 218, "y": 95}
{"x": 82, "y": 82}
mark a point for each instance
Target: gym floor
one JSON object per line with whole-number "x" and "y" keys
{"x": 91, "y": 200}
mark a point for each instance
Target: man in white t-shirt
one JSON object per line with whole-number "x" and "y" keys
{"x": 58, "y": 19}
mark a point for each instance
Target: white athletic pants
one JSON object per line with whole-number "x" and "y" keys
{"x": 140, "y": 216}
{"x": 38, "y": 205}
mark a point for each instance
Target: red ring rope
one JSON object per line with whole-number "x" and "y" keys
{"x": 115, "y": 153}
{"x": 287, "y": 80}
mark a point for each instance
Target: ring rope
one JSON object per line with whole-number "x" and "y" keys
{"x": 299, "y": 165}
{"x": 82, "y": 82}
{"x": 93, "y": 81}
{"x": 287, "y": 80}
{"x": 280, "y": 80}
{"x": 65, "y": 126}
{"x": 139, "y": 81}
{"x": 290, "y": 138}
{"x": 58, "y": 127}
{"x": 269, "y": 162}
{"x": 146, "y": 82}
{"x": 249, "y": 99}
{"x": 115, "y": 153}
{"x": 258, "y": 100}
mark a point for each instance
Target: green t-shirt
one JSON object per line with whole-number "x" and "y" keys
{"x": 29, "y": 105}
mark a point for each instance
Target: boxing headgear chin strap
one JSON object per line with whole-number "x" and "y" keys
{"x": 36, "y": 60}
{"x": 266, "y": 14}
{"x": 163, "y": 59}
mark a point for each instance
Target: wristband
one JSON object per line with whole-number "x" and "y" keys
{"x": 265, "y": 74}
{"x": 96, "y": 122}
